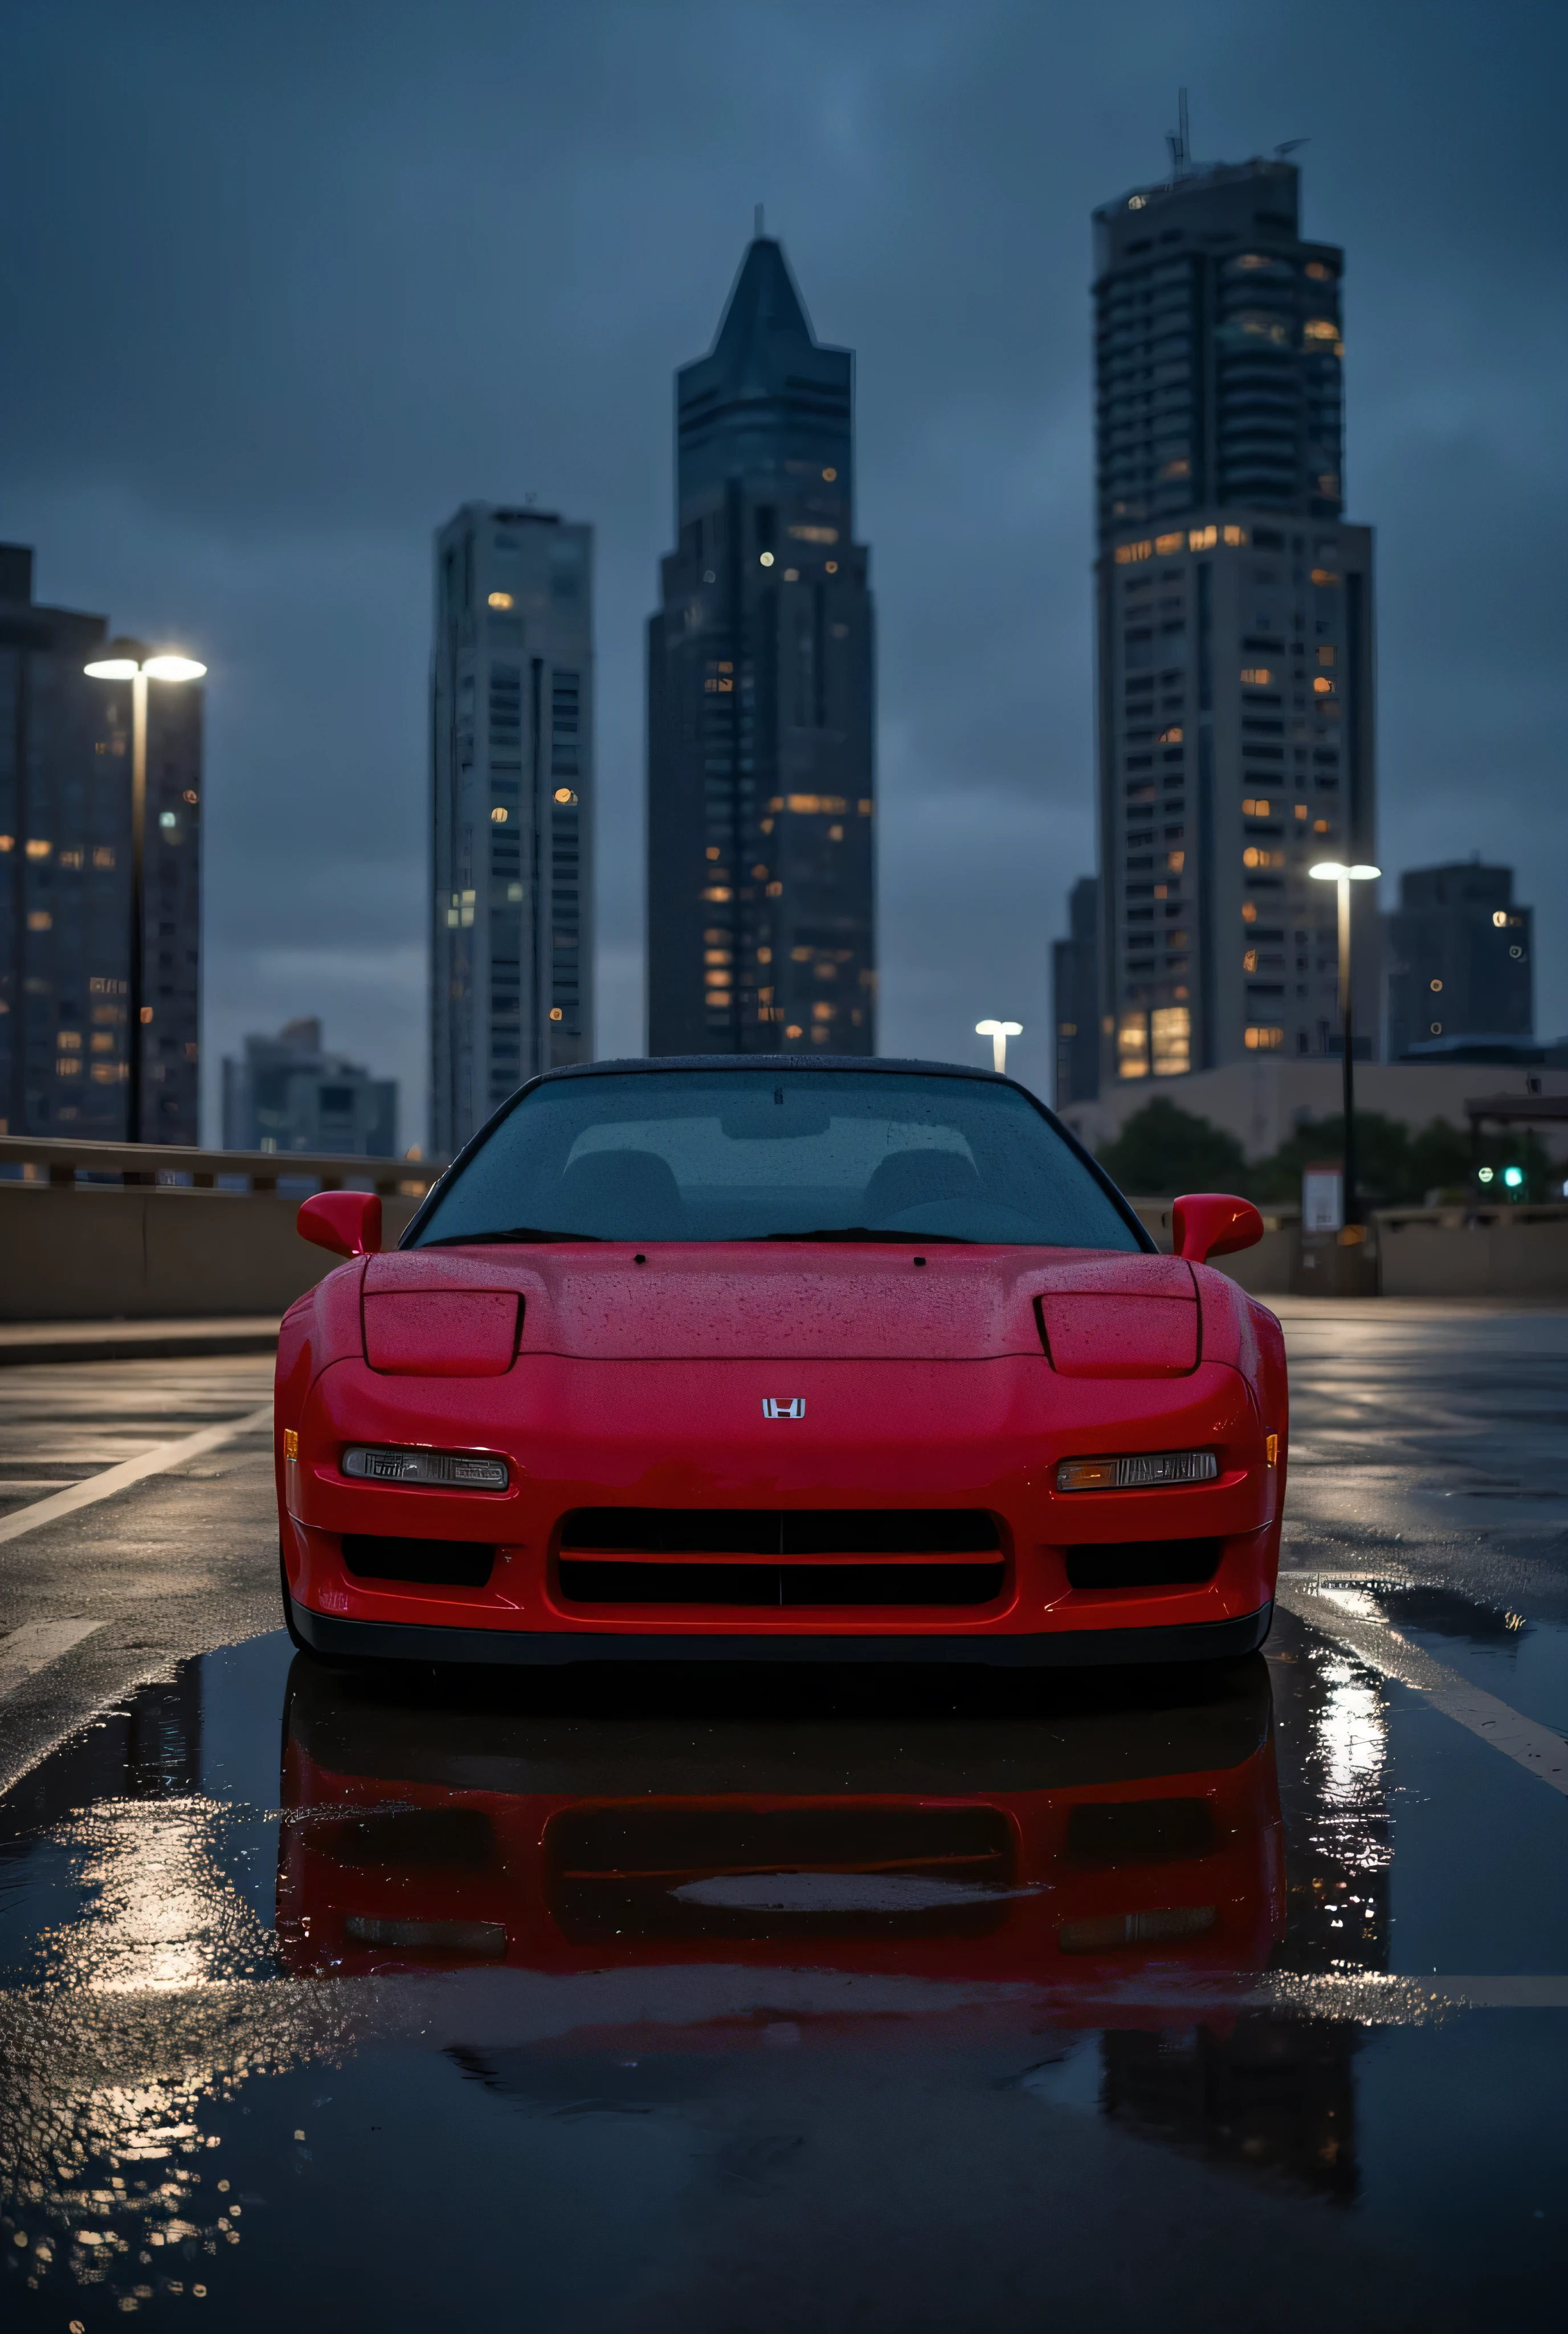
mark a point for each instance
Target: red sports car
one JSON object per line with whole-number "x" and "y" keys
{"x": 848, "y": 1360}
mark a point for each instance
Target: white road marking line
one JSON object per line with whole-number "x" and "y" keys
{"x": 35, "y": 1646}
{"x": 1343, "y": 1614}
{"x": 156, "y": 1461}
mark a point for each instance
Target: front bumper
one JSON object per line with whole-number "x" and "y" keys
{"x": 397, "y": 1641}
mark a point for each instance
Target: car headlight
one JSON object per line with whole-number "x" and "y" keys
{"x": 1137, "y": 1471}
{"x": 452, "y": 1469}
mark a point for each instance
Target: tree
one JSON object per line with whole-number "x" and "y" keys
{"x": 1162, "y": 1149}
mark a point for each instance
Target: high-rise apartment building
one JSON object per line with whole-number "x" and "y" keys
{"x": 512, "y": 743}
{"x": 287, "y": 1092}
{"x": 1459, "y": 959}
{"x": 65, "y": 858}
{"x": 761, "y": 918}
{"x": 1235, "y": 629}
{"x": 1075, "y": 996}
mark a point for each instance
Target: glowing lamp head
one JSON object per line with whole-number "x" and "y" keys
{"x": 173, "y": 667}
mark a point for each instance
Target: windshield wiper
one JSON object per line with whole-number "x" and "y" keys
{"x": 862, "y": 1233}
{"x": 515, "y": 1233}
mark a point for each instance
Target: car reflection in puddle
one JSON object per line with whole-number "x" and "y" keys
{"x": 1098, "y": 1845}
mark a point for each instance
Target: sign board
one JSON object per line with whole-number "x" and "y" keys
{"x": 1322, "y": 1199}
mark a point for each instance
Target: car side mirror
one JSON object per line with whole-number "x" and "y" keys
{"x": 348, "y": 1222}
{"x": 1211, "y": 1223}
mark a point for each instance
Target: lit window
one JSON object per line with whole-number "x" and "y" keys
{"x": 68, "y": 1066}
{"x": 1301, "y": 812}
{"x": 794, "y": 1030}
{"x": 719, "y": 980}
{"x": 103, "y": 855}
{"x": 773, "y": 891}
{"x": 1320, "y": 826}
{"x": 1171, "y": 736}
{"x": 70, "y": 859}
{"x": 70, "y": 1040}
{"x": 1431, "y": 984}
{"x": 1202, "y": 538}
{"x": 1255, "y": 807}
{"x": 1500, "y": 916}
{"x": 1319, "y": 272}
{"x": 717, "y": 956}
{"x": 1325, "y": 655}
{"x": 1249, "y": 959}
{"x": 864, "y": 805}
{"x": 1171, "y": 1029}
{"x": 1255, "y": 857}
{"x": 39, "y": 920}
{"x": 1127, "y": 553}
{"x": 1324, "y": 576}
{"x": 1166, "y": 544}
{"x": 1323, "y": 686}
{"x": 189, "y": 796}
{"x": 500, "y": 599}
{"x": 1181, "y": 469}
{"x": 1249, "y": 913}
{"x": 717, "y": 892}
{"x": 555, "y": 1013}
{"x": 498, "y": 817}
{"x": 1136, "y": 202}
{"x": 822, "y": 1010}
{"x": 1132, "y": 1046}
{"x": 765, "y": 956}
{"x": 835, "y": 834}
{"x": 759, "y": 875}
{"x": 1235, "y": 536}
{"x": 713, "y": 850}
{"x": 167, "y": 818}
{"x": 792, "y": 574}
{"x": 564, "y": 794}
{"x": 1175, "y": 861}
{"x": 1255, "y": 676}
{"x": 830, "y": 476}
{"x": 1261, "y": 1038}
{"x": 810, "y": 534}
{"x": 1321, "y": 328}
{"x": 832, "y": 566}
{"x": 765, "y": 559}
{"x": 102, "y": 1042}
{"x": 7, "y": 843}
{"x": 39, "y": 850}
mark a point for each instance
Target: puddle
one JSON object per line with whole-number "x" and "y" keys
{"x": 338, "y": 1995}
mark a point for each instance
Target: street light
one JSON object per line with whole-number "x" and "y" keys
{"x": 998, "y": 1033}
{"x": 129, "y": 661}
{"x": 1330, "y": 871}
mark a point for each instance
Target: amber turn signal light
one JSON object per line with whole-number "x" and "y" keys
{"x": 1137, "y": 1471}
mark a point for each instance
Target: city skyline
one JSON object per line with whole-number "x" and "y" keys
{"x": 257, "y": 475}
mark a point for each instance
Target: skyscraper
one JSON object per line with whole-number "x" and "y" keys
{"x": 760, "y": 916}
{"x": 1235, "y": 628}
{"x": 1458, "y": 962}
{"x": 1075, "y": 996}
{"x": 65, "y": 883}
{"x": 511, "y": 745}
{"x": 287, "y": 1092}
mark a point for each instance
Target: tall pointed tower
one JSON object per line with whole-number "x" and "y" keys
{"x": 760, "y": 751}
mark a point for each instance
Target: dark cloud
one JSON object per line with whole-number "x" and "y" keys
{"x": 284, "y": 283}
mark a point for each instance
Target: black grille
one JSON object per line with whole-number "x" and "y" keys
{"x": 590, "y": 1581}
{"x": 1143, "y": 1564}
{"x": 446, "y": 1563}
{"x": 619, "y": 1871}
{"x": 781, "y": 1531}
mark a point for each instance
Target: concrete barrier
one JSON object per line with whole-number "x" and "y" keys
{"x": 97, "y": 1253}
{"x": 1472, "y": 1251}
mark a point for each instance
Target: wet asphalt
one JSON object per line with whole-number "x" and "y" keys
{"x": 913, "y": 2000}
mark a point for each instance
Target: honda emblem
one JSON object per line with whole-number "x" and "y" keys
{"x": 794, "y": 1408}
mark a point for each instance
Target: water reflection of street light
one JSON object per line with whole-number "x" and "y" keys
{"x": 1330, "y": 871}
{"x": 998, "y": 1033}
{"x": 129, "y": 661}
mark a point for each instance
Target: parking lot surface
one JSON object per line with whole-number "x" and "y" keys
{"x": 914, "y": 2000}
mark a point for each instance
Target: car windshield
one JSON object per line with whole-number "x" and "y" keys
{"x": 764, "y": 1154}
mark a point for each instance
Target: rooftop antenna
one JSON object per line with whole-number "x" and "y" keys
{"x": 1289, "y": 146}
{"x": 1180, "y": 145}
{"x": 757, "y": 226}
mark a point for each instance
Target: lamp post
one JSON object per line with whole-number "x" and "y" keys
{"x": 998, "y": 1033}
{"x": 124, "y": 660}
{"x": 1330, "y": 871}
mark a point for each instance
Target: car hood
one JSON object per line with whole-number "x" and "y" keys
{"x": 469, "y": 1311}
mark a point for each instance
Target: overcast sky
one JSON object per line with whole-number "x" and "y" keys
{"x": 281, "y": 286}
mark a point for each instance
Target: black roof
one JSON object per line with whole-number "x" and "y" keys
{"x": 774, "y": 1063}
